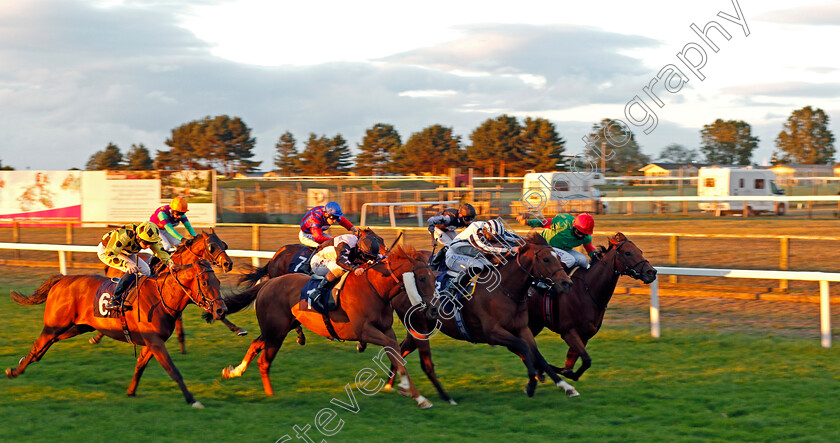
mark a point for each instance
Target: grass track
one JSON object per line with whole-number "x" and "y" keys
{"x": 691, "y": 385}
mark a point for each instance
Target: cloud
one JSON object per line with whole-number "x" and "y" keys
{"x": 785, "y": 89}
{"x": 825, "y": 14}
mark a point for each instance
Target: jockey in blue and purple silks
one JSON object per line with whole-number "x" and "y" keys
{"x": 167, "y": 217}
{"x": 318, "y": 220}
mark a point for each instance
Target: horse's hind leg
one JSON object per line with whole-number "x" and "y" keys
{"x": 179, "y": 328}
{"x": 541, "y": 364}
{"x": 265, "y": 364}
{"x": 235, "y": 329}
{"x": 142, "y": 361}
{"x": 49, "y": 335}
{"x": 577, "y": 347}
{"x": 256, "y": 346}
{"x": 96, "y": 339}
{"x": 500, "y": 336}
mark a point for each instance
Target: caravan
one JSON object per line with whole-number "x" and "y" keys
{"x": 734, "y": 182}
{"x": 573, "y": 191}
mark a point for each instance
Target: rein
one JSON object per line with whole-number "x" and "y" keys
{"x": 215, "y": 258}
{"x": 204, "y": 304}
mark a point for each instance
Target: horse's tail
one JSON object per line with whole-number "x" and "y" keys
{"x": 252, "y": 274}
{"x": 237, "y": 301}
{"x": 39, "y": 296}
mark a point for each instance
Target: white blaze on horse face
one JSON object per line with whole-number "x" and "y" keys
{"x": 411, "y": 288}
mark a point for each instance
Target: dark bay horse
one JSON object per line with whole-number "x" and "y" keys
{"x": 206, "y": 246}
{"x": 577, "y": 315}
{"x": 365, "y": 314}
{"x": 281, "y": 262}
{"x": 497, "y": 315}
{"x": 159, "y": 301}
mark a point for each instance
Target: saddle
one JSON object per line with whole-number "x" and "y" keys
{"x": 103, "y": 295}
{"x": 331, "y": 301}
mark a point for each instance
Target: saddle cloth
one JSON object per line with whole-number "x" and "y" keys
{"x": 101, "y": 298}
{"x": 299, "y": 259}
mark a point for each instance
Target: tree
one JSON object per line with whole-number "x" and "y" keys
{"x": 5, "y": 168}
{"x": 138, "y": 158}
{"x": 376, "y": 148}
{"x": 221, "y": 142}
{"x": 677, "y": 153}
{"x": 325, "y": 156}
{"x": 728, "y": 142}
{"x": 286, "y": 159}
{"x": 496, "y": 142}
{"x": 109, "y": 158}
{"x": 619, "y": 151}
{"x": 805, "y": 138}
{"x": 434, "y": 149}
{"x": 542, "y": 147}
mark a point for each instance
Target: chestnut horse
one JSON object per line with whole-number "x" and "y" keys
{"x": 577, "y": 316}
{"x": 365, "y": 314}
{"x": 202, "y": 246}
{"x": 282, "y": 261}
{"x": 159, "y": 301}
{"x": 497, "y": 312}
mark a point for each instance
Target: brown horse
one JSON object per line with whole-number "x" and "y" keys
{"x": 577, "y": 316}
{"x": 365, "y": 314}
{"x": 496, "y": 313}
{"x": 202, "y": 246}
{"x": 281, "y": 262}
{"x": 159, "y": 301}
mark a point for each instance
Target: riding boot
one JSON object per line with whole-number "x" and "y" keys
{"x": 322, "y": 297}
{"x": 465, "y": 277}
{"x": 439, "y": 259}
{"x": 116, "y": 301}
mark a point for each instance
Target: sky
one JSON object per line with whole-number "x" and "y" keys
{"x": 76, "y": 75}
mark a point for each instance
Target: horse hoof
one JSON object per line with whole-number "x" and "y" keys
{"x": 10, "y": 373}
{"x": 572, "y": 393}
{"x": 301, "y": 339}
{"x": 198, "y": 405}
{"x": 388, "y": 387}
{"x": 423, "y": 402}
{"x": 241, "y": 332}
{"x": 541, "y": 377}
{"x": 228, "y": 372}
{"x": 361, "y": 347}
{"x": 453, "y": 402}
{"x": 530, "y": 388}
{"x": 131, "y": 394}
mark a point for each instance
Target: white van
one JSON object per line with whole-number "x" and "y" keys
{"x": 726, "y": 182}
{"x": 541, "y": 188}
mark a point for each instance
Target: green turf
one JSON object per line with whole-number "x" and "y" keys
{"x": 691, "y": 385}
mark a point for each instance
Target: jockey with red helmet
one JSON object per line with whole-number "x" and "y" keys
{"x": 319, "y": 219}
{"x": 565, "y": 232}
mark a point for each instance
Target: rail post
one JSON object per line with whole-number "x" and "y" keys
{"x": 654, "y": 308}
{"x": 255, "y": 243}
{"x": 69, "y": 240}
{"x": 825, "y": 315}
{"x": 62, "y": 263}
{"x": 16, "y": 238}
{"x": 673, "y": 254}
{"x": 784, "y": 260}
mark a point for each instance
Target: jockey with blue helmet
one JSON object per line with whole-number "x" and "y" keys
{"x": 319, "y": 219}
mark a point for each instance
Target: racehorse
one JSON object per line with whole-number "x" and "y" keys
{"x": 496, "y": 313}
{"x": 365, "y": 312}
{"x": 281, "y": 262}
{"x": 202, "y": 246}
{"x": 159, "y": 301}
{"x": 577, "y": 315}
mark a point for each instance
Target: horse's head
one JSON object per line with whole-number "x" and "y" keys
{"x": 202, "y": 286}
{"x": 210, "y": 247}
{"x": 365, "y": 231}
{"x": 543, "y": 263}
{"x": 629, "y": 260}
{"x": 413, "y": 274}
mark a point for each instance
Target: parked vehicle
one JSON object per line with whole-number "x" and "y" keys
{"x": 577, "y": 189}
{"x": 726, "y": 182}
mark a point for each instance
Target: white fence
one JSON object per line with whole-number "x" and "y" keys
{"x": 822, "y": 277}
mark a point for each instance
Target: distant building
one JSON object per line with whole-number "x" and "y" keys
{"x": 664, "y": 169}
{"x": 786, "y": 173}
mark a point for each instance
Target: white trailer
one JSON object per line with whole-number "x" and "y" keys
{"x": 736, "y": 182}
{"x": 544, "y": 188}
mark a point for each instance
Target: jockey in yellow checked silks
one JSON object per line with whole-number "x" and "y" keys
{"x": 119, "y": 248}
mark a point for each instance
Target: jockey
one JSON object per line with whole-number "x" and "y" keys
{"x": 319, "y": 219}
{"x": 466, "y": 252}
{"x": 342, "y": 254}
{"x": 443, "y": 225}
{"x": 565, "y": 232}
{"x": 119, "y": 248}
{"x": 167, "y": 217}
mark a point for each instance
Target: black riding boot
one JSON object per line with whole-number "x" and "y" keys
{"x": 322, "y": 297}
{"x": 465, "y": 277}
{"x": 438, "y": 262}
{"x": 125, "y": 282}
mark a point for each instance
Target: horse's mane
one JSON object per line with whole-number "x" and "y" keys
{"x": 614, "y": 240}
{"x": 404, "y": 252}
{"x": 535, "y": 238}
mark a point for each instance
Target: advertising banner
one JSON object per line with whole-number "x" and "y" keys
{"x": 40, "y": 198}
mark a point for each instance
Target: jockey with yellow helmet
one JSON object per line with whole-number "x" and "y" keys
{"x": 565, "y": 232}
{"x": 119, "y": 248}
{"x": 167, "y": 217}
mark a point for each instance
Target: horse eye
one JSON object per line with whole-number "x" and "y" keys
{"x": 627, "y": 253}
{"x": 545, "y": 260}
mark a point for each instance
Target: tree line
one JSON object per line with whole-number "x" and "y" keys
{"x": 499, "y": 146}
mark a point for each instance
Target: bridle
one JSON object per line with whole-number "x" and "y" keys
{"x": 203, "y": 303}
{"x": 392, "y": 274}
{"x": 629, "y": 271}
{"x": 540, "y": 281}
{"x": 214, "y": 257}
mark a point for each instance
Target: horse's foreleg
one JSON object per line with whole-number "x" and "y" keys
{"x": 388, "y": 341}
{"x": 239, "y": 331}
{"x": 406, "y": 347}
{"x": 179, "y": 328}
{"x": 158, "y": 349}
{"x": 256, "y": 346}
{"x": 428, "y": 367}
{"x": 500, "y": 336}
{"x": 540, "y": 363}
{"x": 577, "y": 347}
{"x": 142, "y": 361}
{"x": 49, "y": 335}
